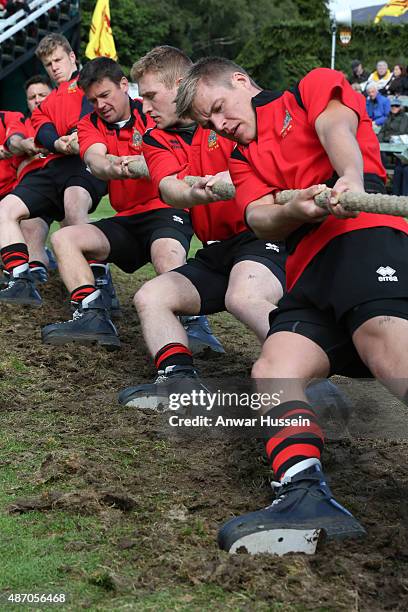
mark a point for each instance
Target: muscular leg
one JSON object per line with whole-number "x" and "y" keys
{"x": 167, "y": 254}
{"x": 77, "y": 203}
{"x": 287, "y": 363}
{"x": 35, "y": 232}
{"x": 72, "y": 246}
{"x": 382, "y": 343}
{"x": 12, "y": 212}
{"x": 90, "y": 321}
{"x": 158, "y": 302}
{"x": 304, "y": 504}
{"x": 253, "y": 291}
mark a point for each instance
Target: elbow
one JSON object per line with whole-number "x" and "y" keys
{"x": 255, "y": 223}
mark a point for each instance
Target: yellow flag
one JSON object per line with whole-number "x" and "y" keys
{"x": 101, "y": 43}
{"x": 394, "y": 8}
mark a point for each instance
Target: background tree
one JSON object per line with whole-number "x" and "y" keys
{"x": 276, "y": 41}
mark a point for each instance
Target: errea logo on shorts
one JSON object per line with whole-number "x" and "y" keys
{"x": 178, "y": 219}
{"x": 272, "y": 247}
{"x": 386, "y": 274}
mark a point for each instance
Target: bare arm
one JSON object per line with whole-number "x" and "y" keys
{"x": 177, "y": 193}
{"x": 104, "y": 168}
{"x": 336, "y": 128}
{"x": 19, "y": 145}
{"x": 271, "y": 221}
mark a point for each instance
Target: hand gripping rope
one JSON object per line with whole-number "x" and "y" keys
{"x": 358, "y": 202}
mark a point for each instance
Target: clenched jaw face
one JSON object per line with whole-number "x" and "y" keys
{"x": 225, "y": 106}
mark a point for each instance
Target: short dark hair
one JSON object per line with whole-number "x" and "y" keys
{"x": 38, "y": 78}
{"x": 98, "y": 69}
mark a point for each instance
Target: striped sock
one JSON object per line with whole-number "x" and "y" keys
{"x": 296, "y": 437}
{"x": 172, "y": 354}
{"x": 80, "y": 293}
{"x": 15, "y": 258}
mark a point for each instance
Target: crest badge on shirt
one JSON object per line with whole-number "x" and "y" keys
{"x": 287, "y": 124}
{"x": 73, "y": 87}
{"x": 212, "y": 140}
{"x": 137, "y": 138}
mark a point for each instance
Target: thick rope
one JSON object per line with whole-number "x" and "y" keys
{"x": 358, "y": 202}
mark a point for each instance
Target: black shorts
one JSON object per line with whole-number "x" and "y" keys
{"x": 210, "y": 269}
{"x": 42, "y": 191}
{"x": 357, "y": 276}
{"x": 131, "y": 237}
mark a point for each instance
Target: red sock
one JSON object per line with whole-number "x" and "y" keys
{"x": 82, "y": 292}
{"x": 172, "y": 354}
{"x": 15, "y": 256}
{"x": 288, "y": 443}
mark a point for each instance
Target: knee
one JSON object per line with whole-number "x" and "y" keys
{"x": 148, "y": 296}
{"x": 263, "y": 368}
{"x": 236, "y": 303}
{"x": 61, "y": 238}
{"x": 167, "y": 255}
{"x": 8, "y": 212}
{"x": 76, "y": 211}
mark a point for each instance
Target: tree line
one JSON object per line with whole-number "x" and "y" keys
{"x": 277, "y": 42}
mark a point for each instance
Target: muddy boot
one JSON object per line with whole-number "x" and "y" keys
{"x": 104, "y": 282}
{"x": 201, "y": 340}
{"x": 21, "y": 290}
{"x": 328, "y": 399}
{"x": 39, "y": 274}
{"x": 90, "y": 324}
{"x": 155, "y": 396}
{"x": 304, "y": 507}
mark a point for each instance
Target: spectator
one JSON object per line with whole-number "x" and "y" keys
{"x": 395, "y": 124}
{"x": 380, "y": 76}
{"x": 398, "y": 83}
{"x": 358, "y": 74}
{"x": 378, "y": 106}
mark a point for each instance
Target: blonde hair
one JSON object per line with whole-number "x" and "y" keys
{"x": 169, "y": 63}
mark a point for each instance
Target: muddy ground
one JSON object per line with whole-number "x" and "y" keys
{"x": 174, "y": 493}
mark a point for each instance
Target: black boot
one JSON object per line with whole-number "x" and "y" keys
{"x": 21, "y": 290}
{"x": 90, "y": 324}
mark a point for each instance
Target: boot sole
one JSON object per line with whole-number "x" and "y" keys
{"x": 279, "y": 542}
{"x": 22, "y": 302}
{"x": 144, "y": 402}
{"x": 283, "y": 540}
{"x": 112, "y": 344}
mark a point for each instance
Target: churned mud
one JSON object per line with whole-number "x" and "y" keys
{"x": 174, "y": 492}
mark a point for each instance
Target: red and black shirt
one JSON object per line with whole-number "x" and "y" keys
{"x": 127, "y": 196}
{"x": 8, "y": 167}
{"x": 287, "y": 154}
{"x": 195, "y": 151}
{"x": 59, "y": 113}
